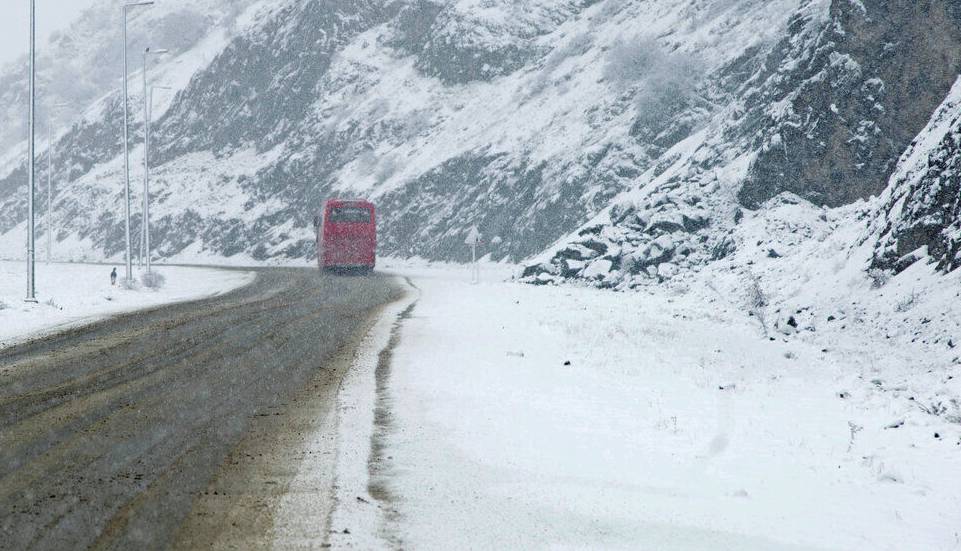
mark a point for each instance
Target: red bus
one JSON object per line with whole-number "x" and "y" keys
{"x": 347, "y": 235}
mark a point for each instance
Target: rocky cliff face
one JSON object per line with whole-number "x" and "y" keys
{"x": 858, "y": 96}
{"x": 822, "y": 116}
{"x": 920, "y": 217}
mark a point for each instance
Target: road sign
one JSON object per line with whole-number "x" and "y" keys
{"x": 473, "y": 240}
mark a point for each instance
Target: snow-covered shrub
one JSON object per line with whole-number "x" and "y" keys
{"x": 127, "y": 285}
{"x": 954, "y": 414}
{"x": 879, "y": 277}
{"x": 664, "y": 83}
{"x": 609, "y": 10}
{"x": 757, "y": 296}
{"x": 757, "y": 301}
{"x": 153, "y": 280}
{"x": 907, "y": 303}
{"x": 3, "y": 305}
{"x": 577, "y": 46}
{"x": 853, "y": 429}
{"x": 631, "y": 62}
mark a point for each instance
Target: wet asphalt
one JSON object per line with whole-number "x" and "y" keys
{"x": 110, "y": 433}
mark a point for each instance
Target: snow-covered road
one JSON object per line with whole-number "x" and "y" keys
{"x": 181, "y": 426}
{"x": 520, "y": 417}
{"x": 71, "y": 294}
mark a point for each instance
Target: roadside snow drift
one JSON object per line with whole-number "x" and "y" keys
{"x": 517, "y": 417}
{"x": 72, "y": 294}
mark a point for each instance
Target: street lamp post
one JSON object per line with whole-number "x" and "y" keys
{"x": 147, "y": 107}
{"x": 31, "y": 172}
{"x": 46, "y": 217}
{"x": 146, "y": 210}
{"x": 126, "y": 145}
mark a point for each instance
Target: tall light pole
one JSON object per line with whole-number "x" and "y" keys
{"x": 147, "y": 106}
{"x": 146, "y": 210}
{"x": 126, "y": 145}
{"x": 31, "y": 214}
{"x": 46, "y": 214}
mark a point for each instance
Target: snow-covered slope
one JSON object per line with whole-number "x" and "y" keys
{"x": 82, "y": 63}
{"x": 559, "y": 418}
{"x": 79, "y": 76}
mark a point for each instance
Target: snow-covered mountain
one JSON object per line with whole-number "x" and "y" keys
{"x": 522, "y": 118}
{"x": 82, "y": 63}
{"x": 79, "y": 77}
{"x": 632, "y": 140}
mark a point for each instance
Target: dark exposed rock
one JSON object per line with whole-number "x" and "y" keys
{"x": 596, "y": 246}
{"x": 723, "y": 249}
{"x": 695, "y": 223}
{"x": 664, "y": 226}
{"x": 412, "y": 29}
{"x": 875, "y": 75}
{"x": 922, "y": 216}
{"x": 534, "y": 270}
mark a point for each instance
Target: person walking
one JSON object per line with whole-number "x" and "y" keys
{"x": 113, "y": 277}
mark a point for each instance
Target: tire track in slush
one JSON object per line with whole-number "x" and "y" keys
{"x": 378, "y": 464}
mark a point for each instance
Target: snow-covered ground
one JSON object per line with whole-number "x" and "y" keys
{"x": 72, "y": 294}
{"x": 520, "y": 417}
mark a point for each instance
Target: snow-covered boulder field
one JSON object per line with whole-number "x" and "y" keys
{"x": 73, "y": 294}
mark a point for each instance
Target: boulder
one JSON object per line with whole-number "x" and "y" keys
{"x": 598, "y": 269}
{"x": 667, "y": 270}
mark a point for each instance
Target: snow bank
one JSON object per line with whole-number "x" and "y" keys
{"x": 73, "y": 294}
{"x": 523, "y": 417}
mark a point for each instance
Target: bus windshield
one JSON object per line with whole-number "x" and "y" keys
{"x": 360, "y": 215}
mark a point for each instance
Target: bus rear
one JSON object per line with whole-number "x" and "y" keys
{"x": 347, "y": 236}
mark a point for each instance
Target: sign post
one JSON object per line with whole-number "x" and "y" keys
{"x": 473, "y": 240}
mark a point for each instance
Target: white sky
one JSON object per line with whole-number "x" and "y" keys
{"x": 15, "y": 16}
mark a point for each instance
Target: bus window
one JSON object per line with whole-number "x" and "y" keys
{"x": 356, "y": 215}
